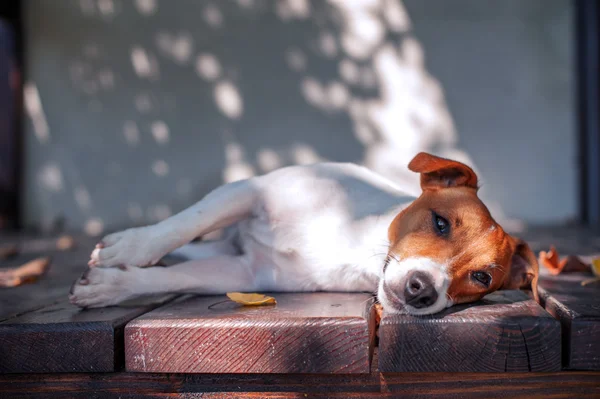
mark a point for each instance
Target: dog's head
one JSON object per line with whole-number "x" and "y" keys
{"x": 445, "y": 248}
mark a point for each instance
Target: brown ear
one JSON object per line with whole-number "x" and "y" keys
{"x": 524, "y": 269}
{"x": 439, "y": 172}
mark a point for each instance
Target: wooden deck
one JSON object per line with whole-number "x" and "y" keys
{"x": 324, "y": 344}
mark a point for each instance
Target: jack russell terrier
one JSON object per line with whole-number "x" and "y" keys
{"x": 323, "y": 227}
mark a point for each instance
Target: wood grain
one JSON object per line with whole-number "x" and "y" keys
{"x": 303, "y": 333}
{"x": 67, "y": 265}
{"x": 573, "y": 384}
{"x": 506, "y": 331}
{"x": 63, "y": 338}
{"x": 578, "y": 309}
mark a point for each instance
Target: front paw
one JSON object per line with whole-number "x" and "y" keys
{"x": 136, "y": 247}
{"x": 99, "y": 287}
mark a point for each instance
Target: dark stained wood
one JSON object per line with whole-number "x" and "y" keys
{"x": 303, "y": 333}
{"x": 54, "y": 286}
{"x": 573, "y": 384}
{"x": 578, "y": 309}
{"x": 63, "y": 338}
{"x": 506, "y": 331}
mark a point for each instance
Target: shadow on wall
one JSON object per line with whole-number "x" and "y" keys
{"x": 139, "y": 108}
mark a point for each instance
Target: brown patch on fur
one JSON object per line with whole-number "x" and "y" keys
{"x": 475, "y": 241}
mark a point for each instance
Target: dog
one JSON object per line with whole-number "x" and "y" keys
{"x": 323, "y": 227}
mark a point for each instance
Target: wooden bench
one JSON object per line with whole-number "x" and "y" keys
{"x": 321, "y": 343}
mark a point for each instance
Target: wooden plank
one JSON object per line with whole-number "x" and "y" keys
{"x": 506, "y": 331}
{"x": 578, "y": 309}
{"x": 66, "y": 266}
{"x": 63, "y": 338}
{"x": 572, "y": 384}
{"x": 303, "y": 333}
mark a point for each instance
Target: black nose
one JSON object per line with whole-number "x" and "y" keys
{"x": 419, "y": 291}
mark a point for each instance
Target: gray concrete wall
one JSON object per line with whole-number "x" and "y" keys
{"x": 138, "y": 108}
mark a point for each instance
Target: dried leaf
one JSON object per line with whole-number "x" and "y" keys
{"x": 251, "y": 299}
{"x": 591, "y": 281}
{"x": 27, "y": 273}
{"x": 596, "y": 266}
{"x": 571, "y": 264}
{"x": 551, "y": 261}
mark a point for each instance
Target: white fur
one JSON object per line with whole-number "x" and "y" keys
{"x": 396, "y": 273}
{"x": 321, "y": 227}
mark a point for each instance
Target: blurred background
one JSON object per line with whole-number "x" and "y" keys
{"x": 117, "y": 113}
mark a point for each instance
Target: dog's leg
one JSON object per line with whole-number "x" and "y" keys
{"x": 100, "y": 287}
{"x": 209, "y": 249}
{"x": 145, "y": 246}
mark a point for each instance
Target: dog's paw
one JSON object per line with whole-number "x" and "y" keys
{"x": 99, "y": 287}
{"x": 136, "y": 247}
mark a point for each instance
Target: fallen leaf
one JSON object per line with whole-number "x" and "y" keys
{"x": 251, "y": 299}
{"x": 590, "y": 281}
{"x": 571, "y": 264}
{"x": 27, "y": 273}
{"x": 596, "y": 266}
{"x": 551, "y": 261}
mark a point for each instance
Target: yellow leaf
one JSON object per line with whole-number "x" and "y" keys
{"x": 596, "y": 266}
{"x": 251, "y": 299}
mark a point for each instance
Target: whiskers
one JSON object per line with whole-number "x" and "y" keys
{"x": 449, "y": 298}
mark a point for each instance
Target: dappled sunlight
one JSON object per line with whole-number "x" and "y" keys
{"x": 292, "y": 9}
{"x": 144, "y": 64}
{"x": 160, "y": 168}
{"x": 229, "y": 100}
{"x": 349, "y": 71}
{"x": 160, "y": 132}
{"x": 107, "y": 7}
{"x": 51, "y": 178}
{"x": 177, "y": 47}
{"x": 83, "y": 198}
{"x": 396, "y": 17}
{"x": 157, "y": 213}
{"x": 131, "y": 133}
{"x": 328, "y": 45}
{"x": 106, "y": 78}
{"x": 237, "y": 167}
{"x": 303, "y": 154}
{"x": 246, "y": 3}
{"x": 212, "y": 16}
{"x": 94, "y": 227}
{"x": 268, "y": 160}
{"x": 234, "y": 89}
{"x": 146, "y": 7}
{"x": 338, "y": 95}
{"x": 314, "y": 92}
{"x": 362, "y": 27}
{"x": 33, "y": 107}
{"x": 208, "y": 67}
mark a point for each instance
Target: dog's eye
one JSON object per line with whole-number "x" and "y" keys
{"x": 482, "y": 277}
{"x": 440, "y": 224}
